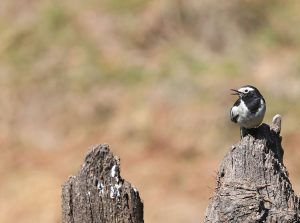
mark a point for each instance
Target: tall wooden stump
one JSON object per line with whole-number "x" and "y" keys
{"x": 98, "y": 194}
{"x": 253, "y": 183}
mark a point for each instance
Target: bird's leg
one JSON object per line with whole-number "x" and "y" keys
{"x": 243, "y": 132}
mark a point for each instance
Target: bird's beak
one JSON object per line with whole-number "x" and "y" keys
{"x": 236, "y": 92}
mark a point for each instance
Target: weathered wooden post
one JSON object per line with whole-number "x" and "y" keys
{"x": 253, "y": 183}
{"x": 98, "y": 194}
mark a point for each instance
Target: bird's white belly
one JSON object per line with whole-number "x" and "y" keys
{"x": 248, "y": 120}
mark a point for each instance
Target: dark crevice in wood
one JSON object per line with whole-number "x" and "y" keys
{"x": 71, "y": 203}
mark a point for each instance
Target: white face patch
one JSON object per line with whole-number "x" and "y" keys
{"x": 245, "y": 90}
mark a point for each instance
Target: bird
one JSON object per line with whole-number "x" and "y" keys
{"x": 249, "y": 110}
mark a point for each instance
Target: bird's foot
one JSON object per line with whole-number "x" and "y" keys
{"x": 245, "y": 131}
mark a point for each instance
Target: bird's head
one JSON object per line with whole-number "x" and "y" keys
{"x": 247, "y": 91}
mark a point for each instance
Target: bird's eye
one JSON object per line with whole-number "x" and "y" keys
{"x": 246, "y": 91}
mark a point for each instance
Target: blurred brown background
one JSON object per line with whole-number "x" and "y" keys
{"x": 149, "y": 77}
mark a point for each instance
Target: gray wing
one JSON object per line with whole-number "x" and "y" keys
{"x": 233, "y": 111}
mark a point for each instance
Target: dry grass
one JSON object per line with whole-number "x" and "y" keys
{"x": 150, "y": 78}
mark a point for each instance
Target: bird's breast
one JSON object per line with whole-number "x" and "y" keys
{"x": 249, "y": 119}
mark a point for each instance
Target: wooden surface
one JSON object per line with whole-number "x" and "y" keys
{"x": 252, "y": 183}
{"x": 99, "y": 194}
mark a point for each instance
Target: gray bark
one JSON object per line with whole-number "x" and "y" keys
{"x": 99, "y": 194}
{"x": 252, "y": 183}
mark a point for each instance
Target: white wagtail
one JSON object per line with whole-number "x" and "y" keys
{"x": 249, "y": 110}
